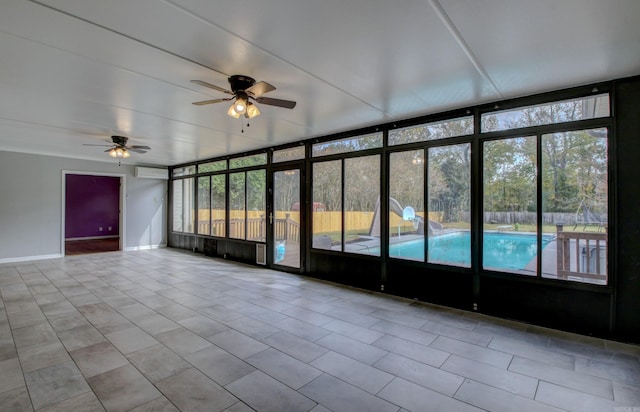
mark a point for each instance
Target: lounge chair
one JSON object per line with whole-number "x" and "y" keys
{"x": 588, "y": 218}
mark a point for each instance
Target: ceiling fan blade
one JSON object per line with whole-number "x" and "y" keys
{"x": 202, "y": 103}
{"x": 138, "y": 147}
{"x": 287, "y": 104}
{"x": 260, "y": 88}
{"x": 101, "y": 145}
{"x": 212, "y": 86}
{"x": 131, "y": 149}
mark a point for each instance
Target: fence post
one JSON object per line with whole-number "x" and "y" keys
{"x": 559, "y": 249}
{"x": 286, "y": 226}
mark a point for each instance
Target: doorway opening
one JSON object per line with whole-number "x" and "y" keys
{"x": 92, "y": 213}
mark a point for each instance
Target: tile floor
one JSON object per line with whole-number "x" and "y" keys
{"x": 166, "y": 330}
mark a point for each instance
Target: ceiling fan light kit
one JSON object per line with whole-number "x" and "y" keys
{"x": 119, "y": 152}
{"x": 244, "y": 89}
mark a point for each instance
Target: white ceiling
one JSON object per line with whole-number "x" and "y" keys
{"x": 78, "y": 71}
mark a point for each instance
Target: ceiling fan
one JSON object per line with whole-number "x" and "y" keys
{"x": 119, "y": 148}
{"x": 243, "y": 90}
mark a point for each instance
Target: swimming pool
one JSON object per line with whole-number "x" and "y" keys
{"x": 500, "y": 250}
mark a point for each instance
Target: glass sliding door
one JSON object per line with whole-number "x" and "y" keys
{"x": 286, "y": 218}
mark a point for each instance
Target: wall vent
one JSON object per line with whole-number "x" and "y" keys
{"x": 261, "y": 254}
{"x": 151, "y": 173}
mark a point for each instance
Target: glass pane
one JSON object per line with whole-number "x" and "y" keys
{"x": 257, "y": 205}
{"x": 575, "y": 205}
{"x": 350, "y": 144}
{"x": 557, "y": 112}
{"x": 184, "y": 171}
{"x": 204, "y": 205}
{"x": 406, "y": 205}
{"x": 188, "y": 209}
{"x": 286, "y": 230}
{"x": 509, "y": 218}
{"x": 361, "y": 204}
{"x": 326, "y": 215}
{"x": 253, "y": 160}
{"x": 449, "y": 200}
{"x": 177, "y": 206}
{"x": 236, "y": 205}
{"x": 294, "y": 153}
{"x": 213, "y": 166}
{"x": 432, "y": 131}
{"x": 218, "y": 206}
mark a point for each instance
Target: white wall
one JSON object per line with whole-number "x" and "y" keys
{"x": 31, "y": 205}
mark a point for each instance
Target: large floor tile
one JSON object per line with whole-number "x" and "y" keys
{"x": 123, "y": 388}
{"x": 263, "y": 393}
{"x": 219, "y": 365}
{"x": 418, "y": 398}
{"x": 337, "y": 395}
{"x": 56, "y": 383}
{"x": 284, "y": 368}
{"x": 131, "y": 340}
{"x": 191, "y": 390}
{"x": 157, "y": 362}
{"x": 356, "y": 373}
{"x": 99, "y": 358}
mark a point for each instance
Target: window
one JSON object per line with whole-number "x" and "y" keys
{"x": 361, "y": 205}
{"x": 284, "y": 155}
{"x": 575, "y": 205}
{"x": 247, "y": 161}
{"x": 212, "y": 166}
{"x": 256, "y": 205}
{"x": 247, "y": 205}
{"x": 432, "y": 131}
{"x": 237, "y": 205}
{"x": 183, "y": 207}
{"x": 449, "y": 204}
{"x": 204, "y": 206}
{"x": 177, "y": 206}
{"x": 406, "y": 205}
{"x": 184, "y": 171}
{"x": 551, "y": 113}
{"x": 510, "y": 236}
{"x": 351, "y": 144}
{"x": 218, "y": 205}
{"x": 326, "y": 215}
{"x": 351, "y": 226}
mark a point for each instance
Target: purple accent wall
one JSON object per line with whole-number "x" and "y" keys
{"x": 92, "y": 202}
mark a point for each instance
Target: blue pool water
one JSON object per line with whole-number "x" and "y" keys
{"x": 500, "y": 250}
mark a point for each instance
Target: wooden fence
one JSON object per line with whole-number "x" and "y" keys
{"x": 287, "y": 225}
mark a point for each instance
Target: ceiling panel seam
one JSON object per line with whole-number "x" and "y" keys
{"x": 455, "y": 33}
{"x": 128, "y": 37}
{"x": 267, "y": 52}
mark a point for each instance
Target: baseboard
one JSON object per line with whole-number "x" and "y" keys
{"x": 148, "y": 247}
{"x": 73, "y": 239}
{"x": 28, "y": 258}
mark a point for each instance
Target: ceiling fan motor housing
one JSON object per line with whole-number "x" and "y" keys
{"x": 239, "y": 82}
{"x": 119, "y": 140}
